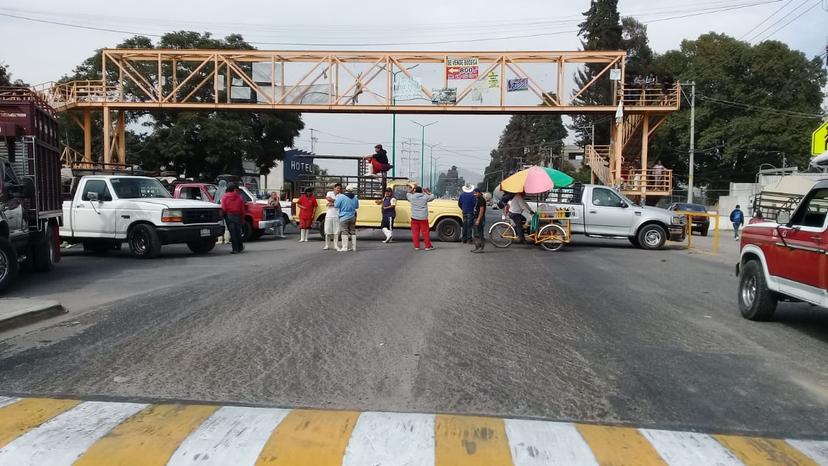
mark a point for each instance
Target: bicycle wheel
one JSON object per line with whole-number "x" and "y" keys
{"x": 552, "y": 237}
{"x": 501, "y": 234}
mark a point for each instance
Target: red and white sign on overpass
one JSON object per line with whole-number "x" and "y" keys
{"x": 462, "y": 68}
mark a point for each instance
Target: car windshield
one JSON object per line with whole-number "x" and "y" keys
{"x": 135, "y": 188}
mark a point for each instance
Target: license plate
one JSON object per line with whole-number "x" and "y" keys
{"x": 205, "y": 232}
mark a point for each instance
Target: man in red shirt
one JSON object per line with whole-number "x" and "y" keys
{"x": 232, "y": 204}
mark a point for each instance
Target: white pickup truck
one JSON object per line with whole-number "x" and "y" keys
{"x": 105, "y": 211}
{"x": 602, "y": 211}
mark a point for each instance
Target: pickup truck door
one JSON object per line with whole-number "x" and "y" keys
{"x": 804, "y": 260}
{"x": 403, "y": 218}
{"x": 94, "y": 219}
{"x": 607, "y": 214}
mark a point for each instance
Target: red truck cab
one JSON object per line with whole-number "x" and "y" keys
{"x": 786, "y": 260}
{"x": 260, "y": 219}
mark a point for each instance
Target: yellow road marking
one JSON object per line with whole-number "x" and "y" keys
{"x": 19, "y": 417}
{"x": 470, "y": 440}
{"x": 309, "y": 437}
{"x": 617, "y": 446}
{"x": 148, "y": 438}
{"x": 761, "y": 451}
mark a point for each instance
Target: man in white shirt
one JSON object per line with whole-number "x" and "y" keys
{"x": 332, "y": 218}
{"x": 517, "y": 208}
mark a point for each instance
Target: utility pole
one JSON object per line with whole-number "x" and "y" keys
{"x": 313, "y": 141}
{"x": 692, "y": 142}
{"x": 422, "y": 149}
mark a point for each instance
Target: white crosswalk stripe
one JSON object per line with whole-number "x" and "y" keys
{"x": 63, "y": 439}
{"x": 7, "y": 400}
{"x": 815, "y": 449}
{"x": 391, "y": 439}
{"x": 540, "y": 443}
{"x": 689, "y": 448}
{"x": 231, "y": 435}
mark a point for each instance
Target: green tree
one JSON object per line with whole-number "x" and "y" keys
{"x": 192, "y": 143}
{"x": 5, "y": 77}
{"x": 600, "y": 30}
{"x": 635, "y": 41}
{"x": 751, "y": 108}
{"x": 526, "y": 140}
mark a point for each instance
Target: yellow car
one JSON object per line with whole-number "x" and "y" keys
{"x": 444, "y": 216}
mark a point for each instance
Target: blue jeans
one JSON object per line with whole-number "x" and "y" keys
{"x": 736, "y": 227}
{"x": 468, "y": 225}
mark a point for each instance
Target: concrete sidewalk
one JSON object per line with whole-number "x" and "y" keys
{"x": 20, "y": 311}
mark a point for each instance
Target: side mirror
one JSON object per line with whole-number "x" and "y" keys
{"x": 624, "y": 205}
{"x": 93, "y": 197}
{"x": 784, "y": 218}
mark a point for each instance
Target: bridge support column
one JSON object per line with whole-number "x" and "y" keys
{"x": 107, "y": 140}
{"x": 120, "y": 136}
{"x": 645, "y": 144}
{"x": 87, "y": 136}
{"x": 616, "y": 151}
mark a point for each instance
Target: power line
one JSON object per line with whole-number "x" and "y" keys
{"x": 766, "y": 19}
{"x": 700, "y": 12}
{"x": 791, "y": 21}
{"x": 764, "y": 109}
{"x": 755, "y": 36}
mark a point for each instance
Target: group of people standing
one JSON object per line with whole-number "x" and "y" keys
{"x": 340, "y": 217}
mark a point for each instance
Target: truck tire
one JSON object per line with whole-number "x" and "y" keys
{"x": 634, "y": 241}
{"x": 202, "y": 247}
{"x": 448, "y": 230}
{"x": 247, "y": 231}
{"x": 44, "y": 250}
{"x": 705, "y": 231}
{"x": 256, "y": 234}
{"x": 143, "y": 241}
{"x": 651, "y": 237}
{"x": 321, "y": 222}
{"x": 8, "y": 263}
{"x": 756, "y": 301}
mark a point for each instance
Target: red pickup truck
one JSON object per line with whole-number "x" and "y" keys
{"x": 259, "y": 220}
{"x": 786, "y": 260}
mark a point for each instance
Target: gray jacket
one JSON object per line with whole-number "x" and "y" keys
{"x": 419, "y": 205}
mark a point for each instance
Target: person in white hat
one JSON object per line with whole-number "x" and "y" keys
{"x": 332, "y": 218}
{"x": 466, "y": 203}
{"x": 347, "y": 204}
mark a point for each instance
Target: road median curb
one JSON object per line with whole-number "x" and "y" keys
{"x": 16, "y": 312}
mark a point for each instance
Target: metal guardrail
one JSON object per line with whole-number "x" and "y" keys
{"x": 597, "y": 157}
{"x": 689, "y": 226}
{"x": 650, "y": 181}
{"x": 651, "y": 96}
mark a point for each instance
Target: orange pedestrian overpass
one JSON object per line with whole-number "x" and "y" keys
{"x": 468, "y": 83}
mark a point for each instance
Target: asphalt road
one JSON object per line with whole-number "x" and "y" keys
{"x": 597, "y": 331}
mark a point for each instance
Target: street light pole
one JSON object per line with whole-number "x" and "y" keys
{"x": 422, "y": 148}
{"x": 692, "y": 142}
{"x": 431, "y": 165}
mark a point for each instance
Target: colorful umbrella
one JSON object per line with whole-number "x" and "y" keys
{"x": 535, "y": 180}
{"x": 560, "y": 178}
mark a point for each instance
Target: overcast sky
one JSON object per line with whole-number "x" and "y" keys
{"x": 37, "y": 52}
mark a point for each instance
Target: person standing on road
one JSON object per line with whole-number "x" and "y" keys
{"x": 232, "y": 204}
{"x": 737, "y": 217}
{"x": 332, "y": 218}
{"x": 276, "y": 203}
{"x": 517, "y": 208}
{"x": 479, "y": 220}
{"x": 307, "y": 206}
{"x": 467, "y": 204}
{"x": 347, "y": 204}
{"x": 419, "y": 198}
{"x": 389, "y": 213}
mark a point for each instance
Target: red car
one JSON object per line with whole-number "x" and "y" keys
{"x": 786, "y": 260}
{"x": 260, "y": 218}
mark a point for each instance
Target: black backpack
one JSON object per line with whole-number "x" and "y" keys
{"x": 504, "y": 201}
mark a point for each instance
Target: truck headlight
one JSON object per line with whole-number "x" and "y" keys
{"x": 678, "y": 220}
{"x": 172, "y": 215}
